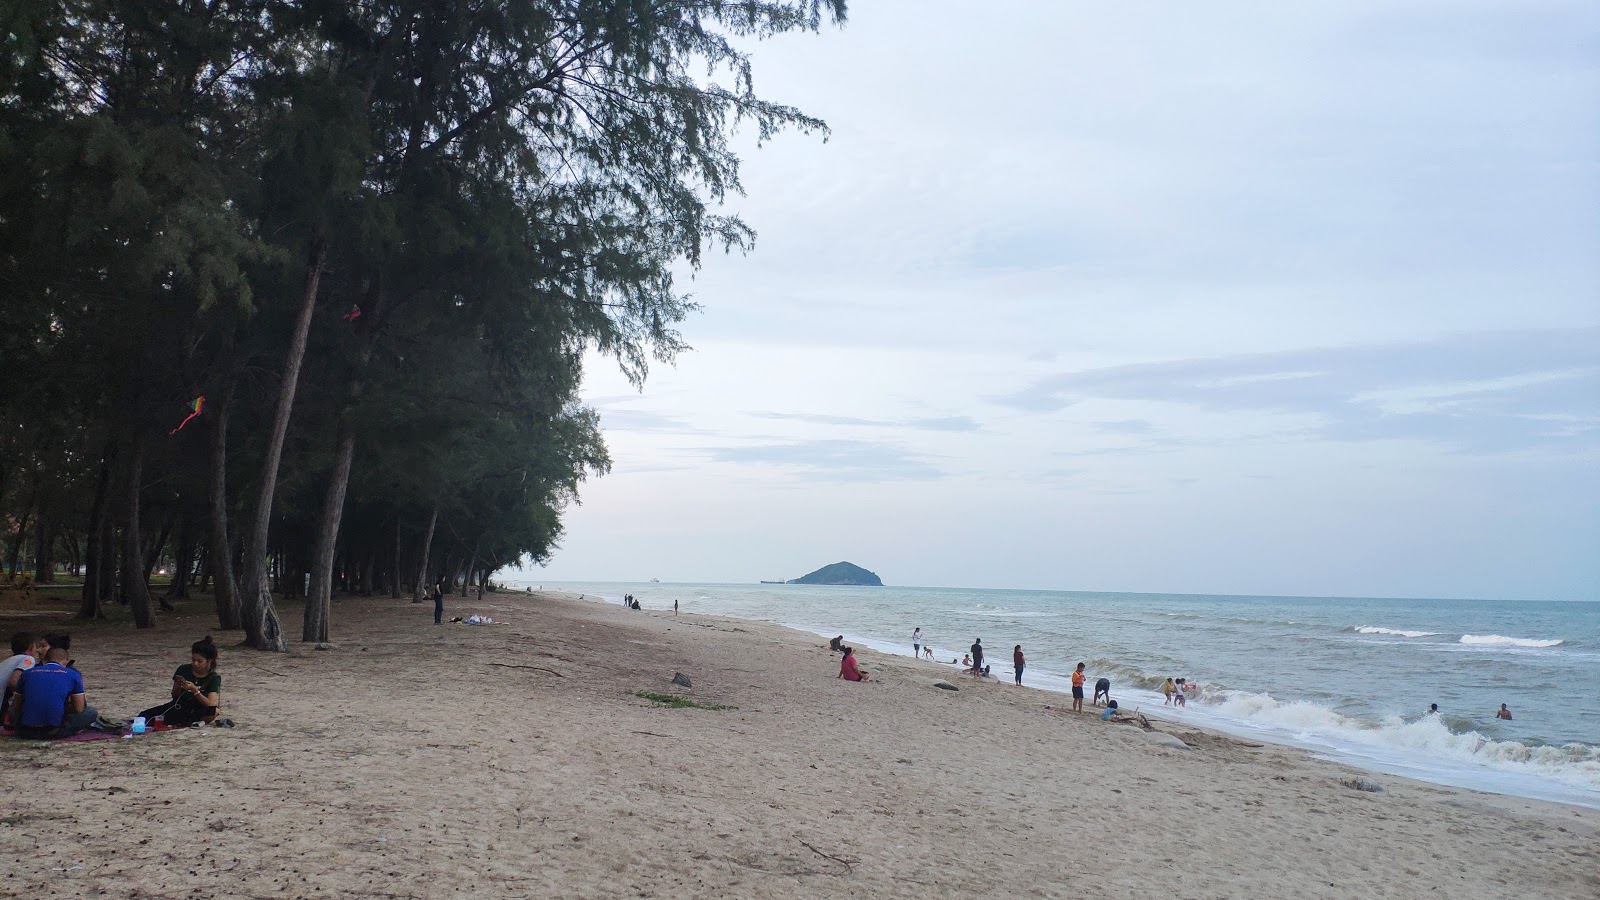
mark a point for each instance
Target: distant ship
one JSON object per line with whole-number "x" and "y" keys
{"x": 655, "y": 581}
{"x": 774, "y": 582}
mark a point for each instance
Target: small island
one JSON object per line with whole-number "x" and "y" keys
{"x": 840, "y": 573}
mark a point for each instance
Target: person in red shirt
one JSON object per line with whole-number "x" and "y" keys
{"x": 847, "y": 666}
{"x": 1077, "y": 689}
{"x": 1017, "y": 661}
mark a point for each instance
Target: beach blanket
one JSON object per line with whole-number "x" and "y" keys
{"x": 88, "y": 734}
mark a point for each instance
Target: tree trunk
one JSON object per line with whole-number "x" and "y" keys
{"x": 394, "y": 573}
{"x": 422, "y": 557}
{"x": 368, "y": 569}
{"x": 74, "y": 553}
{"x": 22, "y": 534}
{"x": 182, "y": 562}
{"x": 227, "y": 591}
{"x": 91, "y": 606}
{"x": 44, "y": 563}
{"x": 262, "y": 629}
{"x": 152, "y": 554}
{"x": 134, "y": 586}
{"x": 319, "y": 602}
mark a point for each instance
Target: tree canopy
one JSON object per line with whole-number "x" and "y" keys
{"x": 377, "y": 239}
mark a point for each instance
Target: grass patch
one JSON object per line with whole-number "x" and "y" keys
{"x": 677, "y": 702}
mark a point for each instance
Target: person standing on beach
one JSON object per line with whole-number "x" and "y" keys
{"x": 1077, "y": 689}
{"x": 916, "y": 642}
{"x": 1167, "y": 690}
{"x": 438, "y": 603}
{"x": 1018, "y": 661}
{"x": 674, "y": 607}
{"x": 977, "y": 655}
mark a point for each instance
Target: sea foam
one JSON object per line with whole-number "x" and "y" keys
{"x": 1399, "y": 632}
{"x": 1500, "y": 640}
{"x": 1396, "y": 740}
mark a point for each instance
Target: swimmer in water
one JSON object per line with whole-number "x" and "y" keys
{"x": 1503, "y": 713}
{"x": 1433, "y": 709}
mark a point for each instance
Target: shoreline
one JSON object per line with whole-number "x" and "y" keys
{"x": 1391, "y": 747}
{"x": 1167, "y": 718}
{"x": 518, "y": 759}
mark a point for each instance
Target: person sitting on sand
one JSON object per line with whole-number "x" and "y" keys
{"x": 196, "y": 689}
{"x": 1111, "y": 710}
{"x": 847, "y": 666}
{"x": 50, "y": 701}
{"x": 836, "y": 643}
{"x": 1102, "y": 691}
{"x": 1167, "y": 690}
{"x": 1503, "y": 713}
{"x": 64, "y": 641}
{"x": 27, "y": 651}
{"x": 966, "y": 660}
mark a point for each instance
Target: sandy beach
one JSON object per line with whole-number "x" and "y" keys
{"x": 516, "y": 760}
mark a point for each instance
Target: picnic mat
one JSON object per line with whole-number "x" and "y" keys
{"x": 88, "y": 734}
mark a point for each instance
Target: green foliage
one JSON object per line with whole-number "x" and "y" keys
{"x": 497, "y": 187}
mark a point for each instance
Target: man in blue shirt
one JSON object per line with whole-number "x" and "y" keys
{"x": 49, "y": 701}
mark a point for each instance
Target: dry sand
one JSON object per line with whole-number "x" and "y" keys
{"x": 423, "y": 761}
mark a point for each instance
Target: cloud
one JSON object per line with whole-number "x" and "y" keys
{"x": 946, "y": 423}
{"x": 1481, "y": 393}
{"x": 938, "y": 423}
{"x": 643, "y": 420}
{"x": 1126, "y": 426}
{"x": 852, "y": 461}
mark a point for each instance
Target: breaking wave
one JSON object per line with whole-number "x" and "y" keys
{"x": 1500, "y": 640}
{"x": 1399, "y": 632}
{"x": 1425, "y": 738}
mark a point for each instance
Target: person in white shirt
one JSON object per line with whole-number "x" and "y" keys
{"x": 27, "y": 651}
{"x": 916, "y": 642}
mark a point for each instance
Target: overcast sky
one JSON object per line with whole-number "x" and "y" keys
{"x": 1296, "y": 298}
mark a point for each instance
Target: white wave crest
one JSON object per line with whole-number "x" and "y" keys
{"x": 1372, "y": 629}
{"x": 1426, "y": 738}
{"x": 1500, "y": 640}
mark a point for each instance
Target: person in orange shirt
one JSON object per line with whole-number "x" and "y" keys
{"x": 1077, "y": 689}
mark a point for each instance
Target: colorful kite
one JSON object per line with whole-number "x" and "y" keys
{"x": 198, "y": 403}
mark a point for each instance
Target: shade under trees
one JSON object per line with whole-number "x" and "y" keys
{"x": 378, "y": 239}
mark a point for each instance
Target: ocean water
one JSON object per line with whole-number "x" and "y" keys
{"x": 1349, "y": 679}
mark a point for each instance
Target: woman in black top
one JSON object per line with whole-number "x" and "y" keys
{"x": 196, "y": 689}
